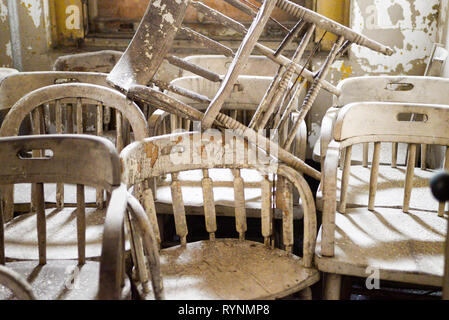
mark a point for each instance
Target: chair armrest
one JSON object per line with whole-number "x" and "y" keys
{"x": 113, "y": 247}
{"x": 329, "y": 183}
{"x": 145, "y": 230}
{"x": 16, "y": 283}
{"x": 327, "y": 126}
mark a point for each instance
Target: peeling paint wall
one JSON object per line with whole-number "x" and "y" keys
{"x": 5, "y": 37}
{"x": 410, "y": 27}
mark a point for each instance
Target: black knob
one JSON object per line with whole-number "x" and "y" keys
{"x": 439, "y": 184}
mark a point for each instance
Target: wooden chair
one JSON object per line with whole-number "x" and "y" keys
{"x": 240, "y": 106}
{"x": 48, "y": 265}
{"x": 397, "y": 230}
{"x": 144, "y": 55}
{"x": 407, "y": 89}
{"x": 69, "y": 104}
{"x": 219, "y": 268}
{"x": 18, "y": 286}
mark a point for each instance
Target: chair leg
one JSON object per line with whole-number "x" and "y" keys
{"x": 305, "y": 294}
{"x": 332, "y": 286}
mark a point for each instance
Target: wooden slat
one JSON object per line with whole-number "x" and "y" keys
{"x": 107, "y": 115}
{"x": 179, "y": 209}
{"x": 186, "y": 65}
{"x": 79, "y": 116}
{"x": 209, "y": 205}
{"x": 150, "y": 210}
{"x": 290, "y": 37}
{"x": 41, "y": 223}
{"x": 266, "y": 213}
{"x": 137, "y": 252}
{"x": 36, "y": 121}
{"x": 394, "y": 155}
{"x": 423, "y": 156}
{"x": 81, "y": 223}
{"x": 365, "y": 154}
{"x": 99, "y": 127}
{"x": 239, "y": 203}
{"x": 442, "y": 205}
{"x": 239, "y": 61}
{"x": 374, "y": 176}
{"x": 206, "y": 42}
{"x": 69, "y": 118}
{"x": 345, "y": 179}
{"x": 119, "y": 129}
{"x": 284, "y": 202}
{"x": 59, "y": 130}
{"x": 411, "y": 161}
{"x": 173, "y": 123}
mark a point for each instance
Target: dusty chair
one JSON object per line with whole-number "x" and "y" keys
{"x": 143, "y": 57}
{"x": 16, "y": 284}
{"x": 219, "y": 268}
{"x": 69, "y": 103}
{"x": 240, "y": 106}
{"x": 49, "y": 265}
{"x": 397, "y": 231}
{"x": 408, "y": 89}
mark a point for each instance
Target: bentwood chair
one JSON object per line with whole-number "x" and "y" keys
{"x": 55, "y": 259}
{"x": 219, "y": 268}
{"x": 397, "y": 229}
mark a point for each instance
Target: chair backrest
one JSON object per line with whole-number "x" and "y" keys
{"x": 256, "y": 65}
{"x": 98, "y": 61}
{"x": 18, "y": 85}
{"x": 389, "y": 122}
{"x": 176, "y": 153}
{"x": 75, "y": 159}
{"x": 74, "y": 97}
{"x": 407, "y": 89}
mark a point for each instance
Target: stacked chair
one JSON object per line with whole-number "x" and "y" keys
{"x": 377, "y": 215}
{"x": 48, "y": 262}
{"x": 382, "y": 221}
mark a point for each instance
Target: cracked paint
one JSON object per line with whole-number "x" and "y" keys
{"x": 408, "y": 26}
{"x": 3, "y": 12}
{"x": 34, "y": 10}
{"x": 8, "y": 49}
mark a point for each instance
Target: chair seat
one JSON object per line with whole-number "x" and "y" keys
{"x": 357, "y": 153}
{"x": 21, "y": 234}
{"x": 22, "y": 194}
{"x": 54, "y": 280}
{"x": 390, "y": 188}
{"x": 223, "y": 193}
{"x": 230, "y": 269}
{"x": 404, "y": 247}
